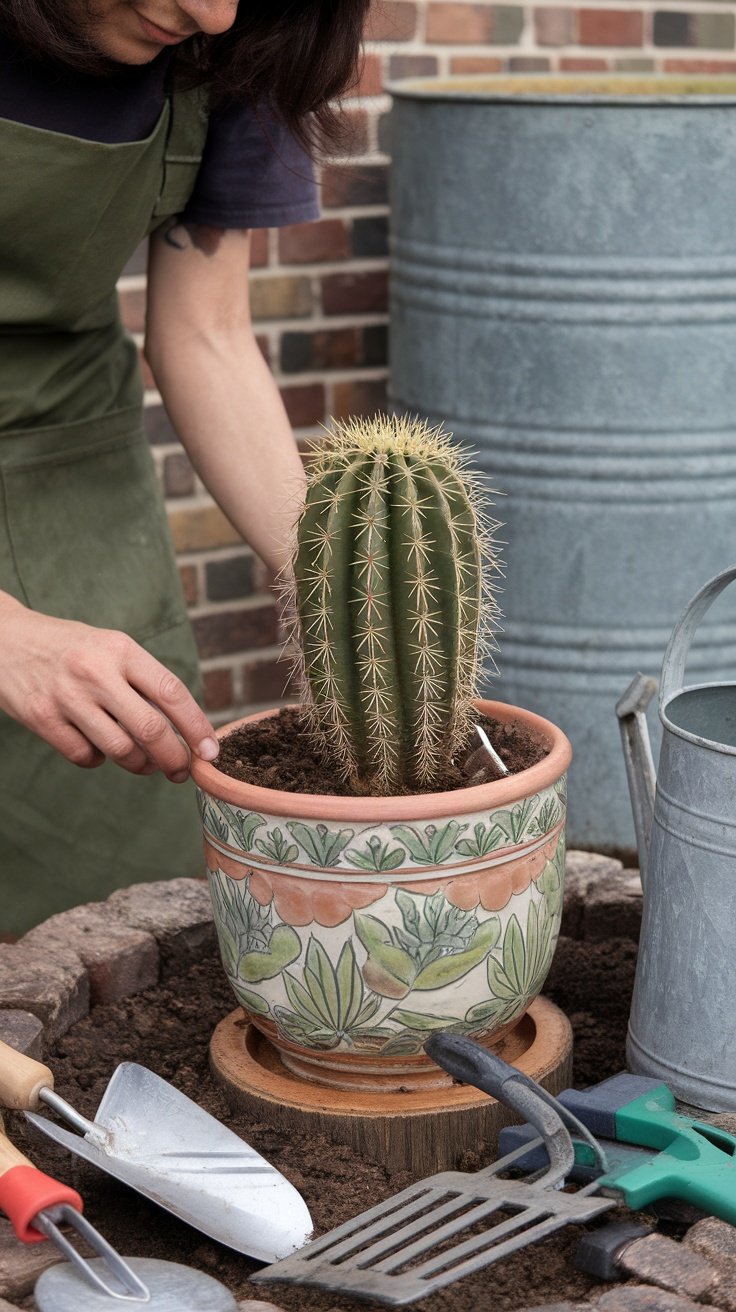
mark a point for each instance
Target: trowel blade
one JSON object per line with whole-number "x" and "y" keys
{"x": 155, "y": 1139}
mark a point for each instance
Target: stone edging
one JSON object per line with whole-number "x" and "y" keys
{"x": 105, "y": 951}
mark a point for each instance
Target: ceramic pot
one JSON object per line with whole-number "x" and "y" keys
{"x": 350, "y": 928}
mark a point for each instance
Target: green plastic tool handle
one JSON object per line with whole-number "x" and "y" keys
{"x": 695, "y": 1162}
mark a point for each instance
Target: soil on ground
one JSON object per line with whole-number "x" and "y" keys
{"x": 278, "y": 752}
{"x": 168, "y": 1029}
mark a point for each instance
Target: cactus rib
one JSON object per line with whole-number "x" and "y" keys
{"x": 389, "y": 577}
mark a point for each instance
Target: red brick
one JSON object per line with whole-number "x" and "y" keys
{"x": 400, "y": 66}
{"x": 476, "y": 64}
{"x": 218, "y": 689}
{"x": 258, "y": 248}
{"x": 529, "y": 64}
{"x": 354, "y": 184}
{"x": 178, "y": 475}
{"x": 583, "y": 64}
{"x": 611, "y": 27}
{"x": 467, "y": 24}
{"x": 267, "y": 681}
{"x": 309, "y": 243}
{"x": 699, "y": 66}
{"x": 359, "y": 397}
{"x": 338, "y": 348}
{"x": 133, "y": 310}
{"x": 188, "y": 577}
{"x": 305, "y": 405}
{"x": 391, "y": 20}
{"x": 364, "y": 292}
{"x": 371, "y": 79}
{"x": 228, "y": 631}
{"x": 554, "y": 27}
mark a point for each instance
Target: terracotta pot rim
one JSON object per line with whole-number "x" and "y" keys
{"x": 317, "y": 806}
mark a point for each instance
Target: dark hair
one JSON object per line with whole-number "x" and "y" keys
{"x": 297, "y": 55}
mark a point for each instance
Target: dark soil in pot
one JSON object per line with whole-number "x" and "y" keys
{"x": 277, "y": 753}
{"x": 168, "y": 1029}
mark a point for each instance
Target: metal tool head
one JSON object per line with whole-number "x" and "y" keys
{"x": 172, "y": 1288}
{"x": 159, "y": 1142}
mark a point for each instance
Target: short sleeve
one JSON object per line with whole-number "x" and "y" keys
{"x": 253, "y": 174}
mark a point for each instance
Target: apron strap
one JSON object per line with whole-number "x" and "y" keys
{"x": 186, "y": 135}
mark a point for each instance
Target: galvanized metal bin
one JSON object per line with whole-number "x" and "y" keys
{"x": 563, "y": 298}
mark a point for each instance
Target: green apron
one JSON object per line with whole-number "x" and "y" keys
{"x": 83, "y": 530}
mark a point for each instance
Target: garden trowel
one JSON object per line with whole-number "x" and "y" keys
{"x": 153, "y": 1138}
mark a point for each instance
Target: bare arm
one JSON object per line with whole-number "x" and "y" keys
{"x": 216, "y": 386}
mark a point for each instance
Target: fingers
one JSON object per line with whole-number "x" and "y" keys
{"x": 167, "y": 695}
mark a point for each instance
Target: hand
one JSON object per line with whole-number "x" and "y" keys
{"x": 95, "y": 694}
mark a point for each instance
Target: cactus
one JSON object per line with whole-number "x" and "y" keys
{"x": 392, "y": 600}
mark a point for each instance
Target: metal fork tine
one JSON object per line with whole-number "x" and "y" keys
{"x": 386, "y": 1243}
{"x": 373, "y": 1222}
{"x": 427, "y": 1242}
{"x": 137, "y": 1292}
{"x": 476, "y": 1254}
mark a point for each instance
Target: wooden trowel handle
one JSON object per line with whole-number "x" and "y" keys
{"x": 21, "y": 1079}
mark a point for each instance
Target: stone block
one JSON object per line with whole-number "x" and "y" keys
{"x": 602, "y": 898}
{"x": 177, "y": 912}
{"x": 21, "y": 1264}
{"x": 647, "y": 1298}
{"x": 51, "y": 983}
{"x": 119, "y": 960}
{"x": 22, "y": 1031}
{"x": 661, "y": 1261}
{"x": 715, "y": 1241}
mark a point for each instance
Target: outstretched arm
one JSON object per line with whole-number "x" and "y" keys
{"x": 216, "y": 386}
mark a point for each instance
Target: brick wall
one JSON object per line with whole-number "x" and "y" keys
{"x": 319, "y": 291}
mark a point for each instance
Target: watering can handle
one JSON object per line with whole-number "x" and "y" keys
{"x": 678, "y": 647}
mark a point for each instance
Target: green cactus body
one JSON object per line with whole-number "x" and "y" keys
{"x": 389, "y": 582}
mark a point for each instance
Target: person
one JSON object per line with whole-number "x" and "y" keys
{"x": 191, "y": 121}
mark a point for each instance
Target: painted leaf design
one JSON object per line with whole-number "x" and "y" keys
{"x": 302, "y": 1001}
{"x": 377, "y": 856}
{"x": 514, "y": 822}
{"x": 447, "y": 969}
{"x": 489, "y": 1013}
{"x": 349, "y": 983}
{"x": 432, "y": 846}
{"x": 389, "y": 969}
{"x": 514, "y": 955}
{"x": 424, "y": 1021}
{"x": 283, "y": 948}
{"x": 277, "y": 847}
{"x": 251, "y": 1001}
{"x": 321, "y": 845}
{"x": 319, "y": 977}
{"x": 486, "y": 838}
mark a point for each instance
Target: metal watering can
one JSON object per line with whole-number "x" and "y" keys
{"x": 682, "y": 1026}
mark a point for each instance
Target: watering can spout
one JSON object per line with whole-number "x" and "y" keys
{"x": 631, "y": 712}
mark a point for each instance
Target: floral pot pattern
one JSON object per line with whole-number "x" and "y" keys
{"x": 347, "y": 943}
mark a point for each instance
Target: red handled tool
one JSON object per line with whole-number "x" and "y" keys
{"x": 35, "y": 1204}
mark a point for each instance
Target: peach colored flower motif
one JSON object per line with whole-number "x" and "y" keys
{"x": 491, "y": 888}
{"x": 300, "y": 901}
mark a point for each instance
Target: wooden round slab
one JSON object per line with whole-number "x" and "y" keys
{"x": 421, "y": 1131}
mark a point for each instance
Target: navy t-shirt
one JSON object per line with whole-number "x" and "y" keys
{"x": 253, "y": 173}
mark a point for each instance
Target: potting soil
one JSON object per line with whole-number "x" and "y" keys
{"x": 168, "y": 1028}
{"x": 277, "y": 753}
